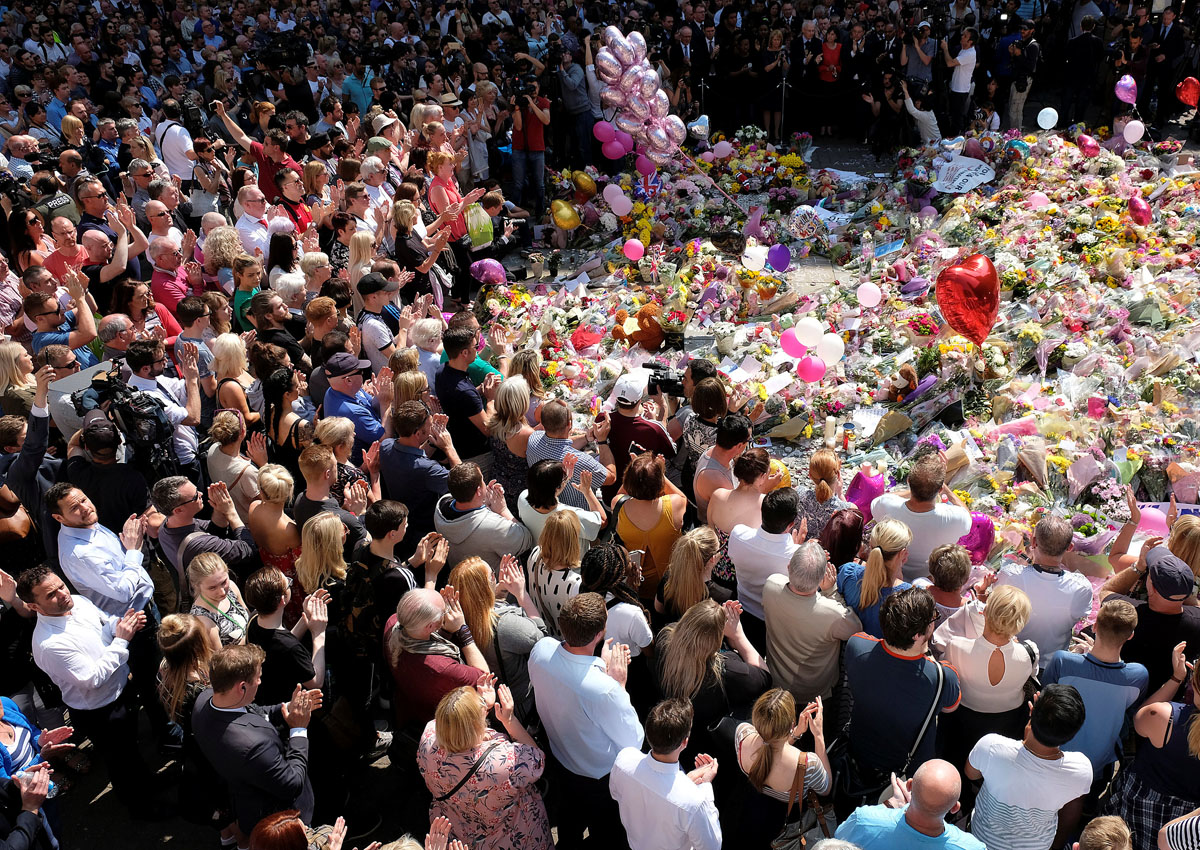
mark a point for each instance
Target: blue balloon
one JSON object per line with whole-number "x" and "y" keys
{"x": 779, "y": 257}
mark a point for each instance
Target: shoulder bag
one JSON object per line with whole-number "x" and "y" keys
{"x": 792, "y": 836}
{"x": 467, "y": 777}
{"x": 1033, "y": 685}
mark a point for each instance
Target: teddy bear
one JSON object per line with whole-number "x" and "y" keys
{"x": 898, "y": 385}
{"x": 649, "y": 334}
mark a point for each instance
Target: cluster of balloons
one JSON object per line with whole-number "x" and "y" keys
{"x": 614, "y": 143}
{"x": 758, "y": 257}
{"x": 633, "y": 87}
{"x": 813, "y": 348}
{"x": 617, "y": 200}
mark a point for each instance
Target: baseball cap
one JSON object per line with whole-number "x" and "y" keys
{"x": 630, "y": 388}
{"x": 101, "y": 435}
{"x": 375, "y": 282}
{"x": 450, "y": 99}
{"x": 344, "y": 363}
{"x": 377, "y": 143}
{"x": 381, "y": 121}
{"x": 317, "y": 141}
{"x": 1172, "y": 578}
{"x": 924, "y": 24}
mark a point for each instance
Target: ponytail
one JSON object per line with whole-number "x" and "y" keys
{"x": 875, "y": 578}
{"x": 824, "y": 467}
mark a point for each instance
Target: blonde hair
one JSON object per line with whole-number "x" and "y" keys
{"x": 229, "y": 355}
{"x": 1007, "y": 610}
{"x": 311, "y": 261}
{"x": 1106, "y": 833}
{"x": 216, "y": 301}
{"x": 685, "y": 583}
{"x": 824, "y": 467}
{"x": 560, "y": 541}
{"x": 312, "y": 173}
{"x": 472, "y": 578}
{"x": 512, "y": 403}
{"x": 71, "y": 127}
{"x": 362, "y": 251}
{"x": 404, "y": 360}
{"x": 528, "y": 364}
{"x": 186, "y": 653}
{"x": 275, "y": 484}
{"x": 226, "y": 427}
{"x": 404, "y": 215}
{"x": 1184, "y": 541}
{"x": 10, "y": 372}
{"x": 691, "y": 650}
{"x": 458, "y": 720}
{"x": 408, "y": 386}
{"x": 774, "y": 717}
{"x": 222, "y": 246}
{"x": 334, "y": 431}
{"x": 320, "y": 552}
{"x": 203, "y": 566}
{"x": 887, "y": 539}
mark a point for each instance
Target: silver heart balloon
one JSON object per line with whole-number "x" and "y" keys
{"x": 612, "y": 97}
{"x": 629, "y": 124}
{"x": 699, "y": 127}
{"x": 659, "y": 139}
{"x": 619, "y": 45}
{"x": 658, "y": 157}
{"x": 649, "y": 83}
{"x": 609, "y": 33}
{"x": 631, "y": 81}
{"x": 636, "y": 106}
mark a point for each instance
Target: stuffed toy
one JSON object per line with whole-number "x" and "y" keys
{"x": 898, "y": 385}
{"x": 649, "y": 334}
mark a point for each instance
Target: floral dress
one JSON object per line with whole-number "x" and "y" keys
{"x": 818, "y": 513}
{"x": 498, "y": 808}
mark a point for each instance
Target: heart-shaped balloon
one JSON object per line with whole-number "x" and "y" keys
{"x": 968, "y": 294}
{"x": 1139, "y": 210}
{"x": 699, "y": 127}
{"x": 975, "y": 150}
{"x": 1088, "y": 146}
{"x": 1126, "y": 90}
{"x": 1188, "y": 91}
{"x": 954, "y": 145}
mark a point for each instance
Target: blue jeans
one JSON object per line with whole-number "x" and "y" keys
{"x": 529, "y": 166}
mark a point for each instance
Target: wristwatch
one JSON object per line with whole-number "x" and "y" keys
{"x": 602, "y": 442}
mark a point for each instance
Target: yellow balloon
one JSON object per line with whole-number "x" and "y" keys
{"x": 558, "y": 205}
{"x": 778, "y": 466}
{"x": 584, "y": 184}
{"x": 566, "y": 217}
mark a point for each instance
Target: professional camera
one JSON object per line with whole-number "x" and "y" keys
{"x": 193, "y": 119}
{"x": 664, "y": 380}
{"x": 379, "y": 55}
{"x": 14, "y": 191}
{"x": 554, "y": 54}
{"x": 523, "y": 87}
{"x": 283, "y": 51}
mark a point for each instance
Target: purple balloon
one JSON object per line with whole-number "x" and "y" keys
{"x": 612, "y": 97}
{"x": 648, "y": 83}
{"x": 865, "y": 489}
{"x": 638, "y": 43}
{"x": 612, "y": 149}
{"x": 660, "y": 104}
{"x": 644, "y": 166}
{"x": 624, "y": 138}
{"x": 980, "y": 538}
{"x": 780, "y": 257}
{"x": 1126, "y": 89}
{"x": 659, "y": 139}
{"x": 488, "y": 272}
{"x": 608, "y": 69}
{"x": 636, "y": 106}
{"x": 675, "y": 128}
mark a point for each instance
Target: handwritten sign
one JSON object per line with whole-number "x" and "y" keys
{"x": 962, "y": 174}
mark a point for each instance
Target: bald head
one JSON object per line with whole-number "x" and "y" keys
{"x": 156, "y": 213}
{"x": 935, "y": 788}
{"x": 96, "y": 244}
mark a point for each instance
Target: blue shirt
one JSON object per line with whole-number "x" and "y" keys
{"x": 849, "y": 584}
{"x": 361, "y": 409}
{"x": 62, "y": 336}
{"x": 1108, "y": 690}
{"x": 542, "y": 447}
{"x": 56, "y": 111}
{"x": 412, "y": 478}
{"x": 881, "y": 828}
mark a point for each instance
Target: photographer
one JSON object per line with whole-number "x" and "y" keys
{"x": 1025, "y": 53}
{"x": 175, "y": 142}
{"x": 963, "y": 66}
{"x": 530, "y": 118}
{"x": 916, "y": 55}
{"x": 576, "y": 104}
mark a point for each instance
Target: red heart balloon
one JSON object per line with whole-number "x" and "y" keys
{"x": 1188, "y": 91}
{"x": 968, "y": 294}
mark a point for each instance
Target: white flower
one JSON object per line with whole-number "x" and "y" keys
{"x": 608, "y": 222}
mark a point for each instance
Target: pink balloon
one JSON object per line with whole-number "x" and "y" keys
{"x": 1126, "y": 89}
{"x": 1087, "y": 145}
{"x": 612, "y": 97}
{"x": 1037, "y": 200}
{"x": 869, "y": 294}
{"x": 707, "y": 156}
{"x": 604, "y": 132}
{"x": 633, "y": 250}
{"x": 612, "y": 149}
{"x": 722, "y": 150}
{"x": 621, "y": 207}
{"x": 636, "y": 106}
{"x": 1153, "y": 522}
{"x": 810, "y": 369}
{"x": 625, "y": 139}
{"x": 611, "y": 192}
{"x": 1139, "y": 210}
{"x": 790, "y": 345}
{"x": 644, "y": 166}
{"x": 864, "y": 489}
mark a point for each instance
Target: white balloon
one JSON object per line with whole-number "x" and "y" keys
{"x": 830, "y": 349}
{"x": 1047, "y": 118}
{"x": 1134, "y": 131}
{"x": 869, "y": 295}
{"x": 809, "y": 331}
{"x": 755, "y": 258}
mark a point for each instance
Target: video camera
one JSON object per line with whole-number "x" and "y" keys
{"x": 522, "y": 87}
{"x": 664, "y": 380}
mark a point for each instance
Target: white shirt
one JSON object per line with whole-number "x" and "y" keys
{"x": 80, "y": 654}
{"x": 1059, "y": 602}
{"x": 661, "y": 809}
{"x": 535, "y": 521}
{"x": 503, "y": 19}
{"x": 174, "y": 144}
{"x": 627, "y": 624}
{"x": 1017, "y": 808}
{"x": 587, "y": 715}
{"x": 111, "y": 577}
{"x": 173, "y": 392}
{"x": 960, "y": 75}
{"x": 927, "y": 126}
{"x": 757, "y": 555}
{"x": 930, "y": 529}
{"x": 254, "y": 234}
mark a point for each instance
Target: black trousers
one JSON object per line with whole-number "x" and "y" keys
{"x": 113, "y": 730}
{"x": 585, "y": 803}
{"x": 144, "y": 660}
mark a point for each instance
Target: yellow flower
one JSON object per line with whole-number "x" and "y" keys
{"x": 552, "y": 367}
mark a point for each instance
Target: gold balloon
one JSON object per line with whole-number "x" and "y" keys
{"x": 584, "y": 184}
{"x": 778, "y": 466}
{"x": 565, "y": 216}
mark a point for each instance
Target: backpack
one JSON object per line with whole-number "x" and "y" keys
{"x": 141, "y": 417}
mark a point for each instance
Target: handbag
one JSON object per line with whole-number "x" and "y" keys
{"x": 792, "y": 835}
{"x": 1033, "y": 685}
{"x": 467, "y": 777}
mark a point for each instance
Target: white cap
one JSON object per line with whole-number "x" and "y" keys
{"x": 381, "y": 121}
{"x": 630, "y": 388}
{"x": 923, "y": 24}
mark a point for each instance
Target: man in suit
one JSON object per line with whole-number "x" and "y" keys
{"x": 265, "y": 773}
{"x": 1166, "y": 52}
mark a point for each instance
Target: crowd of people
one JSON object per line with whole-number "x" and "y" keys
{"x": 273, "y": 492}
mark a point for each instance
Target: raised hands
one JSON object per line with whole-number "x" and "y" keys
{"x": 297, "y": 712}
{"x": 129, "y": 625}
{"x": 486, "y": 687}
{"x": 438, "y": 837}
{"x": 356, "y": 497}
{"x": 256, "y": 448}
{"x": 189, "y": 361}
{"x": 55, "y": 742}
{"x": 616, "y": 660}
{"x": 132, "y": 533}
{"x": 453, "y": 619}
{"x": 706, "y": 769}
{"x": 512, "y": 578}
{"x": 505, "y": 706}
{"x": 733, "y": 617}
{"x": 316, "y": 611}
{"x": 219, "y": 498}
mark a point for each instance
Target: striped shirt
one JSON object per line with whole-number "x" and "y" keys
{"x": 1184, "y": 835}
{"x": 542, "y": 447}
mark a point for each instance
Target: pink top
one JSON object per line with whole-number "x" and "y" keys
{"x": 169, "y": 289}
{"x": 458, "y": 227}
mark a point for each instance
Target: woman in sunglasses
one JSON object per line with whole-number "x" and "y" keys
{"x": 29, "y": 244}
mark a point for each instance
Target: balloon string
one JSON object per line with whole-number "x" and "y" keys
{"x": 716, "y": 185}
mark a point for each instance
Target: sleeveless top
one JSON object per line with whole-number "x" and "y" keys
{"x": 231, "y": 624}
{"x": 510, "y": 470}
{"x": 724, "y": 570}
{"x": 1172, "y": 769}
{"x": 458, "y": 226}
{"x": 705, "y": 464}
{"x": 656, "y": 543}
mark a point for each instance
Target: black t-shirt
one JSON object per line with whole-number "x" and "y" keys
{"x": 117, "y": 490}
{"x": 1156, "y": 635}
{"x": 280, "y": 337}
{"x": 288, "y": 663}
{"x": 304, "y": 509}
